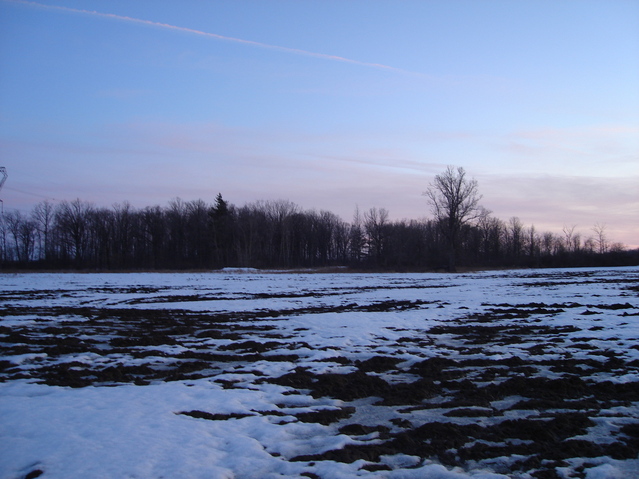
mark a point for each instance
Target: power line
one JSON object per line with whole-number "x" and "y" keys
{"x": 32, "y": 194}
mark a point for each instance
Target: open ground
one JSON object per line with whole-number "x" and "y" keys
{"x": 248, "y": 374}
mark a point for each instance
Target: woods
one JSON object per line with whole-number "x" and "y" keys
{"x": 279, "y": 234}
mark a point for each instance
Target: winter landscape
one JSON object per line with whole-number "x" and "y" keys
{"x": 252, "y": 374}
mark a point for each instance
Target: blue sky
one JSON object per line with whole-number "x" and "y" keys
{"x": 329, "y": 104}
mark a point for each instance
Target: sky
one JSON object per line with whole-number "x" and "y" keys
{"x": 333, "y": 105}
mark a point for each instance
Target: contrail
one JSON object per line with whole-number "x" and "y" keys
{"x": 296, "y": 51}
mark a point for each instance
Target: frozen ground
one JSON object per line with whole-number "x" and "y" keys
{"x": 523, "y": 374}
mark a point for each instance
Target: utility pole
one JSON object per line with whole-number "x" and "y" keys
{"x": 3, "y": 172}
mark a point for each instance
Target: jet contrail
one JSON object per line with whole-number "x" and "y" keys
{"x": 213, "y": 35}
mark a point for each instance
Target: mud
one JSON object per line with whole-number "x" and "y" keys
{"x": 463, "y": 404}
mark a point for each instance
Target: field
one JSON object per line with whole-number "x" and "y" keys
{"x": 248, "y": 374}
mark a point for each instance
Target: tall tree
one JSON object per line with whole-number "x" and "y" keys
{"x": 23, "y": 231}
{"x": 123, "y": 233}
{"x": 356, "y": 238}
{"x": 601, "y": 239}
{"x": 454, "y": 201}
{"x": 43, "y": 216}
{"x": 515, "y": 237}
{"x": 72, "y": 219}
{"x": 221, "y": 218}
{"x": 375, "y": 225}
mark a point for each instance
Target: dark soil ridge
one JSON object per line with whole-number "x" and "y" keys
{"x": 39, "y": 295}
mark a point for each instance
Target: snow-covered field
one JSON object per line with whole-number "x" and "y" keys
{"x": 526, "y": 374}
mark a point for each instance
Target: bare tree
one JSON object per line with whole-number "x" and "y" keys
{"x": 576, "y": 242}
{"x": 590, "y": 245}
{"x": 72, "y": 219}
{"x": 123, "y": 231}
{"x": 278, "y": 232}
{"x": 569, "y": 236}
{"x": 600, "y": 238}
{"x": 617, "y": 247}
{"x": 375, "y": 222}
{"x": 23, "y": 231}
{"x": 516, "y": 236}
{"x": 454, "y": 201}
{"x": 356, "y": 237}
{"x": 533, "y": 243}
{"x": 43, "y": 215}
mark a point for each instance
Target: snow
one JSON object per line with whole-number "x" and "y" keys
{"x": 121, "y": 429}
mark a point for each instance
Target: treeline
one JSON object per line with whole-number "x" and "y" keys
{"x": 277, "y": 234}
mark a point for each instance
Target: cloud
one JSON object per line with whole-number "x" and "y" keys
{"x": 295, "y": 51}
{"x": 150, "y": 163}
{"x": 551, "y": 201}
{"x": 599, "y": 151}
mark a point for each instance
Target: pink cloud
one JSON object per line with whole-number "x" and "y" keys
{"x": 150, "y": 163}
